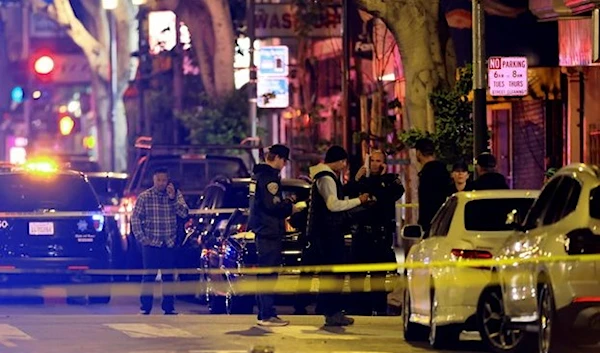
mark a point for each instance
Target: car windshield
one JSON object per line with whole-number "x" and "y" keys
{"x": 490, "y": 214}
{"x": 32, "y": 192}
{"x": 108, "y": 188}
{"x": 193, "y": 174}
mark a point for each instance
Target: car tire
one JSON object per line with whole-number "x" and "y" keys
{"x": 412, "y": 332}
{"x": 490, "y": 319}
{"x": 441, "y": 337}
{"x": 547, "y": 342}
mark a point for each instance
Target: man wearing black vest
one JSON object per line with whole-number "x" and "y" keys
{"x": 325, "y": 227}
{"x": 268, "y": 211}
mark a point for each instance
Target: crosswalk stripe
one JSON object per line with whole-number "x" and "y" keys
{"x": 151, "y": 331}
{"x": 9, "y": 333}
{"x": 309, "y": 333}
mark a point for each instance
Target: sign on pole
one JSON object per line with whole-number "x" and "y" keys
{"x": 507, "y": 76}
{"x": 273, "y": 92}
{"x": 273, "y": 61}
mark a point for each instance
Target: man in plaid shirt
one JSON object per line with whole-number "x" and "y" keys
{"x": 154, "y": 225}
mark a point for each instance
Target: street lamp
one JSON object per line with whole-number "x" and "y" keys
{"x": 112, "y": 30}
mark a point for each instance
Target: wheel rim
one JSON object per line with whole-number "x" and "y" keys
{"x": 494, "y": 325}
{"x": 545, "y": 321}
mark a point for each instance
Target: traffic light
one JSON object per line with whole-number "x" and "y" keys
{"x": 43, "y": 67}
{"x": 66, "y": 125}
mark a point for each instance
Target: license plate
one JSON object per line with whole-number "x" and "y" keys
{"x": 41, "y": 228}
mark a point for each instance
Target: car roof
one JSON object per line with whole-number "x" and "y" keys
{"x": 592, "y": 170}
{"x": 22, "y": 171}
{"x": 496, "y": 194}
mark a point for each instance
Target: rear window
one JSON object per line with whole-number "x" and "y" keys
{"x": 490, "y": 214}
{"x": 31, "y": 193}
{"x": 595, "y": 203}
{"x": 108, "y": 188}
{"x": 193, "y": 174}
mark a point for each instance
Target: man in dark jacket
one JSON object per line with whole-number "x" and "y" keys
{"x": 433, "y": 182}
{"x": 374, "y": 240}
{"x": 488, "y": 178}
{"x": 325, "y": 228}
{"x": 268, "y": 212}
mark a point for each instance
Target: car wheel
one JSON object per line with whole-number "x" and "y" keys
{"x": 412, "y": 332}
{"x": 547, "y": 323}
{"x": 441, "y": 337}
{"x": 492, "y": 324}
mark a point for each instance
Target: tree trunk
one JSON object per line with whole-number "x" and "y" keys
{"x": 222, "y": 29}
{"x": 414, "y": 25}
{"x": 101, "y": 94}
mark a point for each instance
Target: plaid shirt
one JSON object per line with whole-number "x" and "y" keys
{"x": 154, "y": 218}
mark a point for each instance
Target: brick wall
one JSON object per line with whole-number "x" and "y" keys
{"x": 528, "y": 144}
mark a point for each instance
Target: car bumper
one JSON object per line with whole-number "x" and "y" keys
{"x": 33, "y": 271}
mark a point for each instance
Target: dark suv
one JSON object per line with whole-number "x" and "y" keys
{"x": 51, "y": 220}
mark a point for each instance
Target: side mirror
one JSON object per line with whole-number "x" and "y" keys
{"x": 411, "y": 231}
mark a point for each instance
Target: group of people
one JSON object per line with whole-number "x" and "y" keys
{"x": 368, "y": 202}
{"x": 365, "y": 207}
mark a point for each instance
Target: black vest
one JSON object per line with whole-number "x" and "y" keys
{"x": 322, "y": 222}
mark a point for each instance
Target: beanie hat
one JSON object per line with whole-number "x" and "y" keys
{"x": 335, "y": 154}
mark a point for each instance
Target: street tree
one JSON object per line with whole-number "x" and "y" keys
{"x": 212, "y": 31}
{"x": 90, "y": 31}
{"x": 415, "y": 26}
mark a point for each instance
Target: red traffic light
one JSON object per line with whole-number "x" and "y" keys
{"x": 44, "y": 65}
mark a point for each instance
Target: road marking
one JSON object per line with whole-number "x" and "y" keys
{"x": 151, "y": 331}
{"x": 310, "y": 333}
{"x": 9, "y": 333}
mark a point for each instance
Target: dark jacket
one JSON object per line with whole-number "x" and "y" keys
{"x": 387, "y": 189}
{"x": 490, "y": 181}
{"x": 433, "y": 182}
{"x": 268, "y": 210}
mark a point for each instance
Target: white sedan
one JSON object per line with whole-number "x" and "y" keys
{"x": 469, "y": 225}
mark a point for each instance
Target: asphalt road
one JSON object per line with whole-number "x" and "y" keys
{"x": 61, "y": 328}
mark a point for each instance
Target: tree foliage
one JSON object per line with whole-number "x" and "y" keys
{"x": 452, "y": 110}
{"x": 221, "y": 120}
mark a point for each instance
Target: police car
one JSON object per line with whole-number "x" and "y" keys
{"x": 52, "y": 229}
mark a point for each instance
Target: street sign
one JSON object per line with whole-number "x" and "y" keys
{"x": 273, "y": 61}
{"x": 273, "y": 92}
{"x": 507, "y": 76}
{"x": 280, "y": 20}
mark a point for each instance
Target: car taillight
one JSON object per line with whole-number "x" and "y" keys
{"x": 471, "y": 254}
{"x": 127, "y": 204}
{"x": 98, "y": 222}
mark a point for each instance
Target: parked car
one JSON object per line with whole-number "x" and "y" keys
{"x": 442, "y": 301}
{"x": 543, "y": 296}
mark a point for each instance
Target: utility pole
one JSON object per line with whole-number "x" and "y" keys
{"x": 250, "y": 9}
{"x": 143, "y": 127}
{"x": 480, "y": 143}
{"x": 346, "y": 138}
{"x": 113, "y": 86}
{"x": 27, "y": 103}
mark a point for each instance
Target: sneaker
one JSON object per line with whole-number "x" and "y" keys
{"x": 273, "y": 321}
{"x": 338, "y": 319}
{"x": 144, "y": 312}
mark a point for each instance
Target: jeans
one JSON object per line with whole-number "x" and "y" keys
{"x": 155, "y": 258}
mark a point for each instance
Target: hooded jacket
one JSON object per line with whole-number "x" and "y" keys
{"x": 268, "y": 210}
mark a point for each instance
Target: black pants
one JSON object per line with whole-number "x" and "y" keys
{"x": 269, "y": 255}
{"x": 155, "y": 258}
{"x": 370, "y": 248}
{"x": 331, "y": 250}
{"x": 303, "y": 296}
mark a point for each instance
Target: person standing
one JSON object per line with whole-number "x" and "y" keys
{"x": 374, "y": 240}
{"x": 154, "y": 225}
{"x": 460, "y": 178}
{"x": 433, "y": 182}
{"x": 268, "y": 212}
{"x": 325, "y": 228}
{"x": 488, "y": 178}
